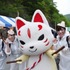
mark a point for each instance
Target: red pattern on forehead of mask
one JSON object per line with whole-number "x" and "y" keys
{"x": 40, "y": 27}
{"x": 29, "y": 33}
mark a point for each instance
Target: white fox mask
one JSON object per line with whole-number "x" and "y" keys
{"x": 35, "y": 37}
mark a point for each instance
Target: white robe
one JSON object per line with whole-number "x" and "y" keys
{"x": 64, "y": 63}
{"x": 2, "y": 57}
{"x": 15, "y": 53}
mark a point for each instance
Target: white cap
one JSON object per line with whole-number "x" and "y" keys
{"x": 62, "y": 24}
{"x": 11, "y": 32}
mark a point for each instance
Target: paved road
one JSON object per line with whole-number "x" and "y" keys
{"x": 7, "y": 65}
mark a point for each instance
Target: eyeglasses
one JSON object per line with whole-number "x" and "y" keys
{"x": 12, "y": 35}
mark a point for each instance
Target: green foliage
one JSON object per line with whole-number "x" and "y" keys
{"x": 68, "y": 19}
{"x": 26, "y": 9}
{"x": 10, "y": 8}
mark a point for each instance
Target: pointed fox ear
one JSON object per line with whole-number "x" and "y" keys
{"x": 39, "y": 17}
{"x": 19, "y": 22}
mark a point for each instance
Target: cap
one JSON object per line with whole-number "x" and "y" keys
{"x": 11, "y": 32}
{"x": 62, "y": 24}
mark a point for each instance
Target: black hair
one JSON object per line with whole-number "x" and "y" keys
{"x": 58, "y": 28}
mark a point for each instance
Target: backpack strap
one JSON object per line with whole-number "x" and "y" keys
{"x": 68, "y": 41}
{"x": 2, "y": 45}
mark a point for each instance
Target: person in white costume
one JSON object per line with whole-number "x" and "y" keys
{"x": 2, "y": 54}
{"x": 64, "y": 63}
{"x": 13, "y": 50}
{"x": 35, "y": 39}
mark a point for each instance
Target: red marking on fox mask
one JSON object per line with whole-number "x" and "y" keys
{"x": 28, "y": 32}
{"x": 40, "y": 27}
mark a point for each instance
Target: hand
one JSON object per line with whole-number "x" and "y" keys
{"x": 7, "y": 43}
{"x": 7, "y": 48}
{"x": 55, "y": 41}
{"x": 65, "y": 49}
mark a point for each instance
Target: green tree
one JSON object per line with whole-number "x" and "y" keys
{"x": 26, "y": 9}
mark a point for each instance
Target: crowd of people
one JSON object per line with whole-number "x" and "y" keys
{"x": 9, "y": 46}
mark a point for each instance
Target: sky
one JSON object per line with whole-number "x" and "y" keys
{"x": 63, "y": 6}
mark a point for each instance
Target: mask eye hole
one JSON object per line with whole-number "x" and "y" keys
{"x": 41, "y": 37}
{"x": 22, "y": 42}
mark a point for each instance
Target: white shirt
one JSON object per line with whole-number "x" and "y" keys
{"x": 64, "y": 54}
